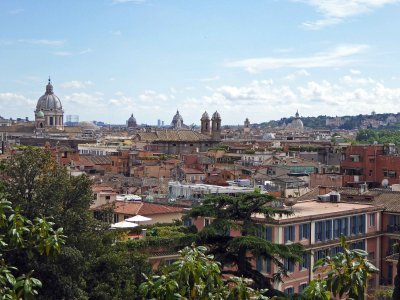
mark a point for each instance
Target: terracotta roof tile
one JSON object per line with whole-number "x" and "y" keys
{"x": 144, "y": 208}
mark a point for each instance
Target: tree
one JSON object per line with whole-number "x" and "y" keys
{"x": 396, "y": 290}
{"x": 35, "y": 182}
{"x": 30, "y": 236}
{"x": 236, "y": 212}
{"x": 347, "y": 272}
{"x": 196, "y": 276}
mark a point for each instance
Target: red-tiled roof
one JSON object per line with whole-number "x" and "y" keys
{"x": 144, "y": 208}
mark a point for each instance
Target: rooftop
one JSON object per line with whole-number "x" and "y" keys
{"x": 310, "y": 210}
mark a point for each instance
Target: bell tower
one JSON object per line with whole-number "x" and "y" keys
{"x": 216, "y": 126}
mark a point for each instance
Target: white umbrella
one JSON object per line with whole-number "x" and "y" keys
{"x": 138, "y": 218}
{"x": 124, "y": 224}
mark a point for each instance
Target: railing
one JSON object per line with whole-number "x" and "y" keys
{"x": 393, "y": 228}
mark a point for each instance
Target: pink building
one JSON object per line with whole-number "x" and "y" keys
{"x": 317, "y": 223}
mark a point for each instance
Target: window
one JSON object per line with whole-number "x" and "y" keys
{"x": 187, "y": 222}
{"x": 206, "y": 222}
{"x": 371, "y": 255}
{"x": 289, "y": 291}
{"x": 289, "y": 264}
{"x": 108, "y": 197}
{"x": 336, "y": 250}
{"x": 318, "y": 231}
{"x": 371, "y": 218}
{"x": 357, "y": 245}
{"x": 304, "y": 231}
{"x": 268, "y": 234}
{"x": 289, "y": 233}
{"x": 328, "y": 230}
{"x": 305, "y": 263}
{"x": 361, "y": 224}
{"x": 302, "y": 287}
{"x": 320, "y": 254}
{"x": 263, "y": 264}
{"x": 340, "y": 226}
{"x": 389, "y": 173}
{"x": 323, "y": 230}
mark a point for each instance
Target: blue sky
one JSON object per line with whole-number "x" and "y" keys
{"x": 257, "y": 59}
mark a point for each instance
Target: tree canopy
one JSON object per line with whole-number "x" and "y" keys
{"x": 18, "y": 233}
{"x": 89, "y": 265}
{"x": 237, "y": 212}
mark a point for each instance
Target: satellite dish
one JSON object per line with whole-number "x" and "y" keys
{"x": 385, "y": 183}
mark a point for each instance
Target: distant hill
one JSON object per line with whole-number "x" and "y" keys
{"x": 347, "y": 122}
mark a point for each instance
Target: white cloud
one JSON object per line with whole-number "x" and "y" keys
{"x": 335, "y": 11}
{"x": 357, "y": 80}
{"x": 43, "y": 42}
{"x": 150, "y": 96}
{"x": 297, "y": 74}
{"x": 69, "y": 53}
{"x": 263, "y": 100}
{"x": 355, "y": 72}
{"x": 214, "y": 78}
{"x": 75, "y": 84}
{"x": 339, "y": 56}
{"x": 18, "y": 101}
{"x": 318, "y": 24}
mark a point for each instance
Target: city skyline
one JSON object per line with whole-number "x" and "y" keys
{"x": 108, "y": 59}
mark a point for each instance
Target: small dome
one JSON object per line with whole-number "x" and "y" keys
{"x": 177, "y": 121}
{"x": 49, "y": 101}
{"x": 177, "y": 117}
{"x": 131, "y": 118}
{"x": 88, "y": 125}
{"x": 40, "y": 114}
{"x": 131, "y": 122}
{"x": 296, "y": 124}
{"x": 216, "y": 116}
{"x": 205, "y": 116}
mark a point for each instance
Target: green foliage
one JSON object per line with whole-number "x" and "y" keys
{"x": 20, "y": 233}
{"x": 249, "y": 151}
{"x": 157, "y": 242}
{"x": 36, "y": 184}
{"x": 347, "y": 272}
{"x": 196, "y": 276}
{"x": 220, "y": 147}
{"x": 317, "y": 290}
{"x": 383, "y": 294}
{"x": 235, "y": 212}
{"x": 382, "y": 136}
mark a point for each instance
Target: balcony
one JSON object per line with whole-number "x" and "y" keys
{"x": 393, "y": 228}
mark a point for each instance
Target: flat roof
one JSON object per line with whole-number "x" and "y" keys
{"x": 317, "y": 210}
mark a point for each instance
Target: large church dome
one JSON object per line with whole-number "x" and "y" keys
{"x": 49, "y": 112}
{"x": 177, "y": 121}
{"x": 297, "y": 123}
{"x": 49, "y": 101}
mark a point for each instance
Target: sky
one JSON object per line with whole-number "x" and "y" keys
{"x": 261, "y": 59}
